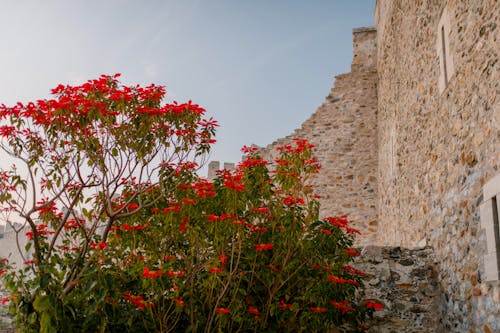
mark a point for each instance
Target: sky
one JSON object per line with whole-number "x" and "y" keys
{"x": 260, "y": 67}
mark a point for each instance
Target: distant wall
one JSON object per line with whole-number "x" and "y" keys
{"x": 343, "y": 129}
{"x": 214, "y": 166}
{"x": 8, "y": 244}
{"x": 437, "y": 149}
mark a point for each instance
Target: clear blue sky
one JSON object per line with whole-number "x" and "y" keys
{"x": 261, "y": 67}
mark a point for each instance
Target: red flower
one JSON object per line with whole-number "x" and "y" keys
{"x": 2, "y": 271}
{"x": 188, "y": 201}
{"x": 212, "y": 217}
{"x": 283, "y": 306}
{"x": 223, "y": 310}
{"x": 239, "y": 222}
{"x": 253, "y": 310}
{"x": 215, "y": 270}
{"x": 261, "y": 210}
{"x": 326, "y": 231}
{"x": 138, "y": 301}
{"x": 151, "y": 274}
{"x": 126, "y": 227}
{"x": 180, "y": 302}
{"x": 289, "y": 201}
{"x": 234, "y": 182}
{"x": 343, "y": 307}
{"x": 223, "y": 259}
{"x": 262, "y": 247}
{"x": 318, "y": 310}
{"x": 338, "y": 221}
{"x": 374, "y": 305}
{"x": 246, "y": 149}
{"x": 337, "y": 280}
{"x": 351, "y": 252}
{"x": 174, "y": 208}
{"x": 7, "y": 131}
{"x": 352, "y": 231}
{"x": 250, "y": 162}
{"x": 354, "y": 271}
{"x": 4, "y": 300}
{"x": 98, "y": 246}
{"x": 132, "y": 206}
{"x": 178, "y": 274}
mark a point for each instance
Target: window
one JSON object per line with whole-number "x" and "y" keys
{"x": 489, "y": 211}
{"x": 446, "y": 67}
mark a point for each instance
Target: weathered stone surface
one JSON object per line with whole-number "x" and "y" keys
{"x": 406, "y": 283}
{"x": 436, "y": 150}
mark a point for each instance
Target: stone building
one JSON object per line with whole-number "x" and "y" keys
{"x": 409, "y": 141}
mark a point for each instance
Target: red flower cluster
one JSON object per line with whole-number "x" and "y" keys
{"x": 98, "y": 246}
{"x": 289, "y": 201}
{"x": 374, "y": 305}
{"x": 151, "y": 274}
{"x": 263, "y": 247}
{"x": 45, "y": 207}
{"x": 251, "y": 162}
{"x": 180, "y": 302}
{"x": 132, "y": 206}
{"x": 215, "y": 270}
{"x": 126, "y": 227}
{"x": 260, "y": 210}
{"x": 234, "y": 181}
{"x": 223, "y": 311}
{"x": 317, "y": 309}
{"x": 354, "y": 271}
{"x": 284, "y": 306}
{"x": 203, "y": 188}
{"x": 337, "y": 280}
{"x": 253, "y": 311}
{"x": 222, "y": 217}
{"x": 73, "y": 223}
{"x": 138, "y": 301}
{"x": 342, "y": 222}
{"x": 300, "y": 146}
{"x": 249, "y": 150}
{"x": 41, "y": 230}
{"x": 343, "y": 306}
{"x": 352, "y": 252}
{"x": 223, "y": 259}
{"x": 177, "y": 274}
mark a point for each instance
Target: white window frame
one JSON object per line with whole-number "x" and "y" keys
{"x": 489, "y": 211}
{"x": 446, "y": 65}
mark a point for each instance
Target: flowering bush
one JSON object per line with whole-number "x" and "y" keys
{"x": 125, "y": 235}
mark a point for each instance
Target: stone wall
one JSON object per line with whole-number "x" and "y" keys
{"x": 343, "y": 129}
{"x": 405, "y": 282}
{"x": 438, "y": 149}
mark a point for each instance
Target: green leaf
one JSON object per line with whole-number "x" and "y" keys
{"x": 41, "y": 303}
